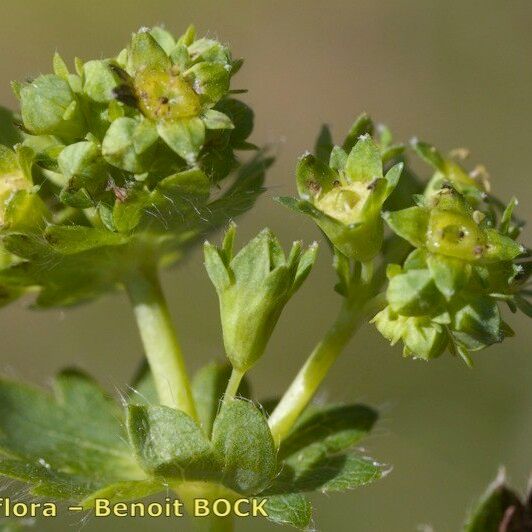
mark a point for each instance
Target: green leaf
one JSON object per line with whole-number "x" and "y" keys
{"x": 124, "y": 491}
{"x": 337, "y": 472}
{"x": 185, "y": 136}
{"x": 309, "y": 456}
{"x": 65, "y": 445}
{"x": 217, "y": 120}
{"x": 69, "y": 239}
{"x": 292, "y": 509}
{"x": 327, "y": 431}
{"x": 364, "y": 162}
{"x": 170, "y": 444}
{"x": 242, "y": 437}
{"x": 208, "y": 387}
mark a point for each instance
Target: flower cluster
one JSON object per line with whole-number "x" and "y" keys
{"x": 445, "y": 294}
{"x": 121, "y": 160}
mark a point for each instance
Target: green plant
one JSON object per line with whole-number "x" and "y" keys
{"x": 501, "y": 509}
{"x": 117, "y": 170}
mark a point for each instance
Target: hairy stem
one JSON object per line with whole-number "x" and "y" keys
{"x": 160, "y": 342}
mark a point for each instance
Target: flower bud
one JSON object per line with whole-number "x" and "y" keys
{"x": 345, "y": 199}
{"x": 253, "y": 287}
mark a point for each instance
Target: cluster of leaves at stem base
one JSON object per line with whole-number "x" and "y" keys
{"x": 77, "y": 444}
{"x": 121, "y": 159}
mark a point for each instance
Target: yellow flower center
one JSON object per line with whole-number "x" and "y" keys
{"x": 344, "y": 203}
{"x": 165, "y": 95}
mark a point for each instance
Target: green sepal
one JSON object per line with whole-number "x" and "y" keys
{"x": 25, "y": 211}
{"x": 324, "y": 144}
{"x": 164, "y": 38}
{"x": 210, "y": 81}
{"x": 410, "y": 224}
{"x": 129, "y": 144}
{"x": 185, "y": 136}
{"x": 413, "y": 293}
{"x": 168, "y": 443}
{"x": 429, "y": 154}
{"x": 314, "y": 177}
{"x": 9, "y": 133}
{"x": 363, "y": 126}
{"x": 216, "y": 120}
{"x": 451, "y": 275}
{"x": 364, "y": 162}
{"x": 48, "y": 106}
{"x": 100, "y": 81}
{"x": 145, "y": 53}
{"x": 242, "y": 437}
{"x": 477, "y": 322}
{"x": 422, "y": 337}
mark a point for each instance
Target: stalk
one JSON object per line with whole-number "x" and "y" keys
{"x": 313, "y": 372}
{"x": 233, "y": 384}
{"x": 353, "y": 314}
{"x": 190, "y": 491}
{"x": 160, "y": 341}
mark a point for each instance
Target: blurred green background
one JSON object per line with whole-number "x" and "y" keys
{"x": 456, "y": 73}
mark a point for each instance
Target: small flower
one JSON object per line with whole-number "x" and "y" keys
{"x": 345, "y": 198}
{"x": 253, "y": 287}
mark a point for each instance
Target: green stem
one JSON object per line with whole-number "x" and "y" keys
{"x": 190, "y": 491}
{"x": 160, "y": 342}
{"x": 233, "y": 384}
{"x": 303, "y": 388}
{"x": 311, "y": 375}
